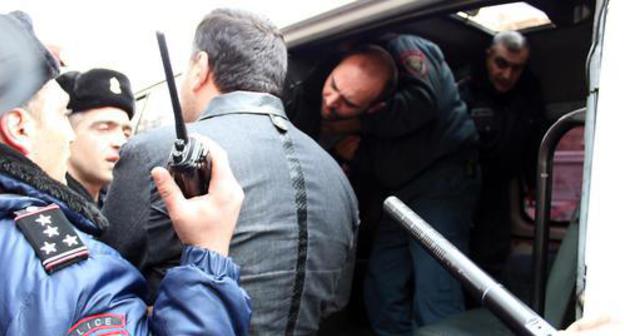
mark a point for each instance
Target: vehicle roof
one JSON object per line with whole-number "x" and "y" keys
{"x": 366, "y": 15}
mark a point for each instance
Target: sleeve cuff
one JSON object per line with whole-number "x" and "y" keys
{"x": 210, "y": 262}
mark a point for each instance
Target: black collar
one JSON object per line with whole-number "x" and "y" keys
{"x": 76, "y": 186}
{"x": 34, "y": 182}
{"x": 244, "y": 102}
{"x": 80, "y": 189}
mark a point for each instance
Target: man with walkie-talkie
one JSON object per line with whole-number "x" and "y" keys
{"x": 295, "y": 236}
{"x": 57, "y": 278}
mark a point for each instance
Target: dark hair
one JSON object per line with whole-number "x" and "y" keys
{"x": 383, "y": 58}
{"x": 245, "y": 52}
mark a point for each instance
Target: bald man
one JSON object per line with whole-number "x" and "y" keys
{"x": 398, "y": 117}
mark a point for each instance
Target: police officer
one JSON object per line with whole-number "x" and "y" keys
{"x": 505, "y": 102}
{"x": 404, "y": 121}
{"x": 56, "y": 278}
{"x": 101, "y": 105}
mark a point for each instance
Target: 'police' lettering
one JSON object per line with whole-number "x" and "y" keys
{"x": 90, "y": 324}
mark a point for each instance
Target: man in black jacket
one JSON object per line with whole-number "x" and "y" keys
{"x": 101, "y": 105}
{"x": 506, "y": 105}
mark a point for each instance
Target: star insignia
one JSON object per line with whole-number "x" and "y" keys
{"x": 44, "y": 220}
{"x": 70, "y": 240}
{"x": 51, "y": 231}
{"x": 48, "y": 248}
{"x": 52, "y": 237}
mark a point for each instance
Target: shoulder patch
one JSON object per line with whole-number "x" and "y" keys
{"x": 415, "y": 62}
{"x": 109, "y": 324}
{"x": 52, "y": 236}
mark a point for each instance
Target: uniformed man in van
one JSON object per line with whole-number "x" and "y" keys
{"x": 399, "y": 111}
{"x": 505, "y": 102}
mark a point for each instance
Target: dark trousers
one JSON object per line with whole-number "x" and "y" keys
{"x": 490, "y": 241}
{"x": 405, "y": 287}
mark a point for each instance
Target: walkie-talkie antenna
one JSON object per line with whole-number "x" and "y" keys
{"x": 175, "y": 102}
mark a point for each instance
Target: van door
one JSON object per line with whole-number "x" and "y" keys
{"x": 601, "y": 215}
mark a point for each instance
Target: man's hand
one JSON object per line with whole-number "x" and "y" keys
{"x": 345, "y": 149}
{"x": 346, "y": 126}
{"x": 206, "y": 221}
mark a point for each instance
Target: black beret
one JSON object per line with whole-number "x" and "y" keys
{"x": 97, "y": 88}
{"x": 67, "y": 80}
{"x": 25, "y": 64}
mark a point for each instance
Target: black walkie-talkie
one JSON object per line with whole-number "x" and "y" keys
{"x": 189, "y": 162}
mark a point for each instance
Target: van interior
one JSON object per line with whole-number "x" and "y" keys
{"x": 559, "y": 49}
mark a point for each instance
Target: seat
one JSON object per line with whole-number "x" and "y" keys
{"x": 559, "y": 299}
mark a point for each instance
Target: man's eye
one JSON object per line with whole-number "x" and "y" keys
{"x": 102, "y": 127}
{"x": 501, "y": 63}
{"x": 350, "y": 104}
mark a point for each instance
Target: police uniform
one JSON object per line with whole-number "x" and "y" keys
{"x": 78, "y": 188}
{"x": 56, "y": 278}
{"x": 510, "y": 127}
{"x": 96, "y": 88}
{"x": 422, "y": 148}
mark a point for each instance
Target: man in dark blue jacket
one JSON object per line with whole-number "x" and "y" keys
{"x": 402, "y": 120}
{"x": 56, "y": 278}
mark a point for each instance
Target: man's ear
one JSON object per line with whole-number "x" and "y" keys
{"x": 17, "y": 130}
{"x": 200, "y": 70}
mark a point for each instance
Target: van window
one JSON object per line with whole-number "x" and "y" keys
{"x": 567, "y": 178}
{"x": 513, "y": 16}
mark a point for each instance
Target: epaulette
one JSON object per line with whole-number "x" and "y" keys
{"x": 52, "y": 236}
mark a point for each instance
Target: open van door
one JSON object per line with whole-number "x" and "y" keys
{"x": 601, "y": 246}
{"x": 560, "y": 48}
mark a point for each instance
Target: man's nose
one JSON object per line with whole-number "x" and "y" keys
{"x": 332, "y": 99}
{"x": 119, "y": 140}
{"x": 506, "y": 73}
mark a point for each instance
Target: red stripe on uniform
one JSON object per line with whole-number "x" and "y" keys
{"x": 69, "y": 257}
{"x": 49, "y": 207}
{"x": 122, "y": 318}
